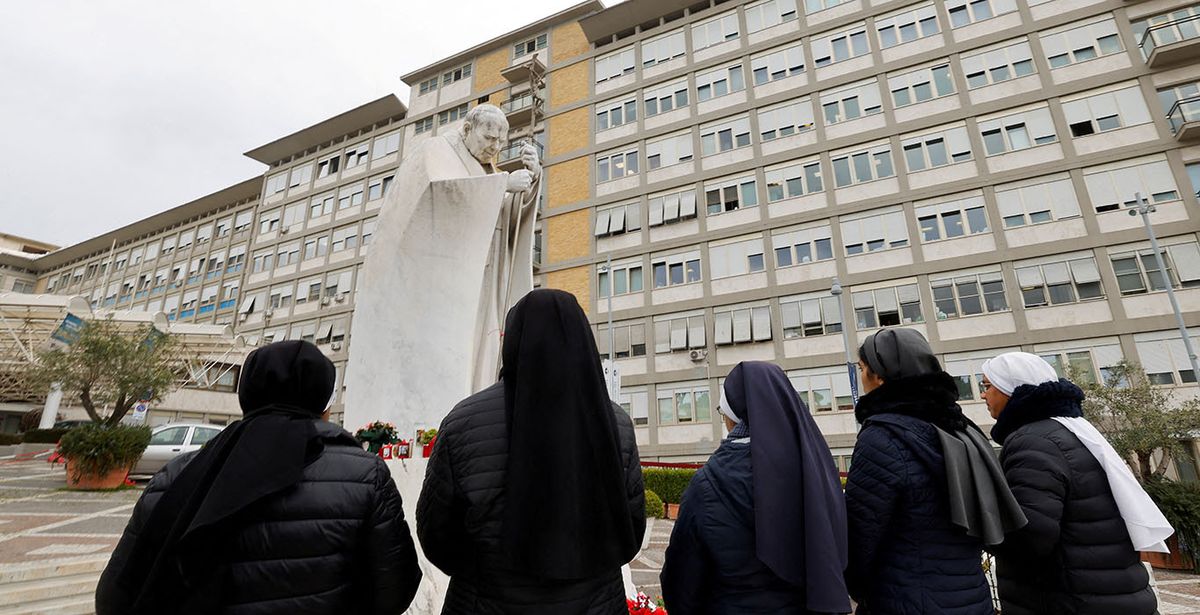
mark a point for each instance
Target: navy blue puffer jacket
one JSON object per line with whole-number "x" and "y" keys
{"x": 906, "y": 558}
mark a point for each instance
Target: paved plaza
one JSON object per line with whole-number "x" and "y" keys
{"x": 70, "y": 534}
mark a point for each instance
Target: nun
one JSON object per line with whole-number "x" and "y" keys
{"x": 1088, "y": 515}
{"x": 533, "y": 497}
{"x": 762, "y": 526}
{"x": 925, "y": 493}
{"x": 282, "y": 512}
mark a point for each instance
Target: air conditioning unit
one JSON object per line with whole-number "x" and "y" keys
{"x": 335, "y": 346}
{"x": 324, "y": 301}
{"x": 340, "y": 297}
{"x": 268, "y": 313}
{"x": 284, "y": 231}
{"x": 178, "y": 283}
{"x": 698, "y": 355}
{"x": 242, "y": 317}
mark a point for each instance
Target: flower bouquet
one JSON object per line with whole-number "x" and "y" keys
{"x": 642, "y": 605}
{"x": 376, "y": 435}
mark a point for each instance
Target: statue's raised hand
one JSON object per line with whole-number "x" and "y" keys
{"x": 520, "y": 181}
{"x": 529, "y": 158}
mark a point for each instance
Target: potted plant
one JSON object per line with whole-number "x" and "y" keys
{"x": 427, "y": 438}
{"x": 376, "y": 435}
{"x": 1180, "y": 504}
{"x": 100, "y": 456}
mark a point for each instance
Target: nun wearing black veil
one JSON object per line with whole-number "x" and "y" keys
{"x": 762, "y": 526}
{"x": 533, "y": 497}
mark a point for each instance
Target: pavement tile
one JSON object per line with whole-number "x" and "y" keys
{"x": 25, "y": 548}
{"x": 11, "y": 524}
{"x": 113, "y": 526}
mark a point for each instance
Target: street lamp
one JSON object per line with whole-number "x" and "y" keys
{"x": 851, "y": 364}
{"x": 612, "y": 363}
{"x": 1144, "y": 208}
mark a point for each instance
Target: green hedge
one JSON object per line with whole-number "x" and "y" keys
{"x": 1180, "y": 504}
{"x": 9, "y": 438}
{"x": 99, "y": 449}
{"x": 43, "y": 436}
{"x": 654, "y": 506}
{"x": 668, "y": 483}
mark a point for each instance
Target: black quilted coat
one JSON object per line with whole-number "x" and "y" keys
{"x": 460, "y": 512}
{"x": 335, "y": 543}
{"x": 1075, "y": 556}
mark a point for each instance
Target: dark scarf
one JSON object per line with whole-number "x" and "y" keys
{"x": 931, "y": 397}
{"x": 177, "y": 563}
{"x": 1030, "y": 403}
{"x": 566, "y": 510}
{"x": 799, "y": 508}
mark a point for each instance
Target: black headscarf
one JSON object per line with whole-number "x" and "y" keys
{"x": 176, "y": 564}
{"x": 799, "y": 509}
{"x": 566, "y": 510}
{"x": 915, "y": 385}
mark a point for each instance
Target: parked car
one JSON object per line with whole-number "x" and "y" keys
{"x": 72, "y": 424}
{"x": 169, "y": 441}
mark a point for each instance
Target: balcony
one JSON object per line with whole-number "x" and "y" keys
{"x": 521, "y": 109}
{"x": 1174, "y": 42}
{"x": 509, "y": 158}
{"x": 531, "y": 70}
{"x": 1184, "y": 119}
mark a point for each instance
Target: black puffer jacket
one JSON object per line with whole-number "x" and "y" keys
{"x": 335, "y": 543}
{"x": 1075, "y": 556}
{"x": 460, "y": 513}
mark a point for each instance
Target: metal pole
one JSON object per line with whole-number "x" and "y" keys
{"x": 851, "y": 363}
{"x": 612, "y": 360}
{"x": 1145, "y": 208}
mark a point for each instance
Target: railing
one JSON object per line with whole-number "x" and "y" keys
{"x": 1182, "y": 112}
{"x": 522, "y": 101}
{"x": 513, "y": 151}
{"x": 1170, "y": 33}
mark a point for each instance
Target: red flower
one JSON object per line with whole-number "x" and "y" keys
{"x": 642, "y": 605}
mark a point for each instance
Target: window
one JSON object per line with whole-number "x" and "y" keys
{"x": 802, "y": 246}
{"x": 1059, "y": 282}
{"x": 615, "y": 165}
{"x": 378, "y": 187}
{"x": 628, "y": 340}
{"x": 776, "y": 65}
{"x": 664, "y": 98}
{"x": 237, "y": 259}
{"x": 672, "y": 207}
{"x": 968, "y": 295}
{"x": 171, "y": 436}
{"x": 345, "y": 238}
{"x": 724, "y": 136}
{"x": 185, "y": 241}
{"x": 785, "y": 119}
{"x": 423, "y": 125}
{"x": 293, "y": 215}
{"x": 530, "y": 46}
{"x": 734, "y": 259}
{"x": 625, "y": 278}
{"x": 328, "y": 167}
{"x": 851, "y": 102}
{"x": 1164, "y": 358}
{"x": 1114, "y": 188}
{"x": 1138, "y": 271}
{"x": 456, "y": 75}
{"x": 887, "y": 307}
{"x": 952, "y": 219}
{"x": 669, "y": 151}
{"x": 683, "y": 404}
{"x": 427, "y": 86}
{"x": 840, "y": 46}
{"x": 281, "y": 296}
{"x": 287, "y": 254}
{"x": 620, "y": 219}
{"x": 615, "y": 64}
{"x": 452, "y": 115}
{"x": 1105, "y": 112}
{"x": 1193, "y": 171}
{"x": 677, "y": 269}
{"x": 921, "y": 85}
{"x": 720, "y": 82}
{"x": 729, "y": 195}
{"x": 967, "y": 12}
{"x": 763, "y": 15}
{"x": 267, "y": 222}
{"x": 907, "y": 26}
{"x": 357, "y": 154}
{"x": 810, "y": 316}
{"x": 240, "y": 223}
{"x": 22, "y": 286}
{"x": 663, "y": 48}
{"x": 1081, "y": 43}
{"x": 316, "y": 247}
{"x": 674, "y": 332}
{"x": 1017, "y": 131}
{"x": 823, "y": 389}
{"x": 873, "y": 231}
{"x": 321, "y": 205}
{"x": 719, "y": 29}
{"x": 368, "y": 230}
{"x": 741, "y": 325}
{"x": 276, "y": 183}
{"x": 386, "y": 145}
{"x": 1040, "y": 200}
{"x": 814, "y": 6}
{"x": 998, "y": 65}
{"x": 863, "y": 166}
{"x": 793, "y": 180}
{"x": 615, "y": 113}
{"x": 338, "y": 283}
{"x": 938, "y": 149}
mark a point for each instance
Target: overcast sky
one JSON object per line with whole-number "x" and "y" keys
{"x": 112, "y": 111}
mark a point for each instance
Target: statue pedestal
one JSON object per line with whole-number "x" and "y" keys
{"x": 409, "y": 475}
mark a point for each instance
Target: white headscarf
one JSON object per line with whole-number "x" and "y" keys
{"x": 1147, "y": 526}
{"x": 1013, "y": 369}
{"x": 726, "y": 410}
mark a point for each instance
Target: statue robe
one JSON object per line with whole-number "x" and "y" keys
{"x": 452, "y": 253}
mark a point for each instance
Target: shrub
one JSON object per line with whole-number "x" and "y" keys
{"x": 1180, "y": 504}
{"x": 668, "y": 483}
{"x": 99, "y": 449}
{"x": 43, "y": 436}
{"x": 654, "y": 506}
{"x": 9, "y": 438}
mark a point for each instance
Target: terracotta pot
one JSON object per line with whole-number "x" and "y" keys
{"x": 672, "y": 511}
{"x": 111, "y": 480}
{"x": 1175, "y": 560}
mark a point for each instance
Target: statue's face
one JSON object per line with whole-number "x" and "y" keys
{"x": 485, "y": 138}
